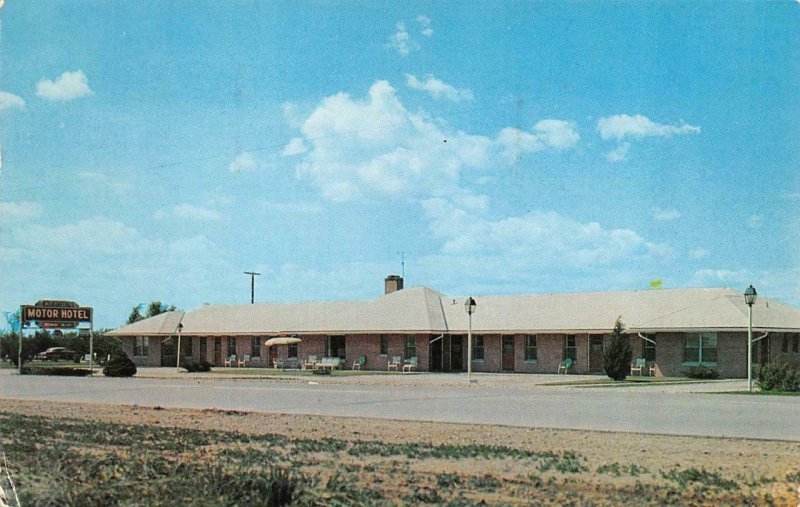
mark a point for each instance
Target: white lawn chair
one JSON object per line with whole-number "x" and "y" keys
{"x": 243, "y": 361}
{"x": 394, "y": 364}
{"x": 230, "y": 360}
{"x": 411, "y": 364}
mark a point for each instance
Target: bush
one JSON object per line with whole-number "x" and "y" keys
{"x": 192, "y": 367}
{"x": 701, "y": 372}
{"x": 59, "y": 372}
{"x": 120, "y": 365}
{"x": 617, "y": 356}
{"x": 778, "y": 377}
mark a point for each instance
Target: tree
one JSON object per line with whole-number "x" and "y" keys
{"x": 617, "y": 356}
{"x": 153, "y": 309}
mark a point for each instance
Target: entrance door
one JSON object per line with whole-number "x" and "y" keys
{"x": 508, "y": 353}
{"x": 596, "y": 352}
{"x": 337, "y": 347}
{"x": 456, "y": 353}
{"x": 203, "y": 348}
{"x": 216, "y": 344}
{"x": 169, "y": 356}
{"x": 436, "y": 355}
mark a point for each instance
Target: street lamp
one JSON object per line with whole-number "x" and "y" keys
{"x": 178, "y": 361}
{"x": 469, "y": 307}
{"x": 750, "y": 298}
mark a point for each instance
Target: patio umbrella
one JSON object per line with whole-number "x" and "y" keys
{"x": 282, "y": 340}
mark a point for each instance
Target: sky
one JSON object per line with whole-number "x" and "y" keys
{"x": 157, "y": 150}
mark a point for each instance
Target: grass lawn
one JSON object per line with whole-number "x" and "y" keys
{"x": 86, "y": 455}
{"x": 602, "y": 381}
{"x": 766, "y": 393}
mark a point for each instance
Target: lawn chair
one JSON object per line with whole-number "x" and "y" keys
{"x": 230, "y": 360}
{"x": 565, "y": 365}
{"x": 394, "y": 364}
{"x": 638, "y": 366}
{"x": 411, "y": 364}
{"x": 310, "y": 362}
{"x": 652, "y": 369}
{"x": 358, "y": 363}
{"x": 243, "y": 361}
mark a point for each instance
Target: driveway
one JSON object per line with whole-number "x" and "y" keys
{"x": 646, "y": 409}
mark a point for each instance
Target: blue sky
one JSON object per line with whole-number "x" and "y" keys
{"x": 157, "y": 150}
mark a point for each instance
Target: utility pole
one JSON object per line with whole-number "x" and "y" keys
{"x": 253, "y": 276}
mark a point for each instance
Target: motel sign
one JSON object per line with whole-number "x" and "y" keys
{"x": 56, "y": 313}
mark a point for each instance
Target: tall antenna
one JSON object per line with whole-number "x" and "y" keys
{"x": 253, "y": 276}
{"x": 402, "y": 264}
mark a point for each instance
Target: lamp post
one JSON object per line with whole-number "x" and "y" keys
{"x": 469, "y": 306}
{"x": 178, "y": 361}
{"x": 750, "y": 298}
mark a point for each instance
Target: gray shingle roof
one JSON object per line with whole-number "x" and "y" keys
{"x": 422, "y": 310}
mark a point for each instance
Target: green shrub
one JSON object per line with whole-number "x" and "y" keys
{"x": 778, "y": 377}
{"x": 322, "y": 371}
{"x": 617, "y": 356}
{"x": 192, "y": 367}
{"x": 120, "y": 365}
{"x": 701, "y": 372}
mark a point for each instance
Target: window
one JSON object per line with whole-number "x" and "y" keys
{"x": 292, "y": 350}
{"x": 796, "y": 343}
{"x": 384, "y": 345}
{"x": 570, "y": 350}
{"x": 231, "y": 345}
{"x": 411, "y": 347}
{"x": 142, "y": 346}
{"x": 255, "y": 347}
{"x": 649, "y": 348}
{"x": 785, "y": 343}
{"x": 700, "y": 348}
{"x": 531, "y": 354}
{"x": 477, "y": 348}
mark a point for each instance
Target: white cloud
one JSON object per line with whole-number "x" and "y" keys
{"x": 622, "y": 126}
{"x": 556, "y": 134}
{"x": 376, "y": 145}
{"x": 293, "y": 207}
{"x": 244, "y": 161}
{"x": 119, "y": 256}
{"x": 665, "y": 215}
{"x": 68, "y": 86}
{"x": 10, "y": 101}
{"x": 438, "y": 89}
{"x": 401, "y": 41}
{"x": 20, "y": 211}
{"x": 619, "y": 154}
{"x": 189, "y": 211}
{"x": 537, "y": 239}
{"x": 717, "y": 277}
{"x": 755, "y": 221}
{"x": 295, "y": 147}
{"x": 699, "y": 253}
{"x": 425, "y": 25}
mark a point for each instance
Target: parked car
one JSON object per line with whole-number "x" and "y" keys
{"x": 56, "y": 353}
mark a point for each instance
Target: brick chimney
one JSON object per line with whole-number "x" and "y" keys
{"x": 393, "y": 283}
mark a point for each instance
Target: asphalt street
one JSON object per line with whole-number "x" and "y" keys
{"x": 610, "y": 409}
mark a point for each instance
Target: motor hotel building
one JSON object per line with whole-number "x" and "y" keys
{"x": 673, "y": 329}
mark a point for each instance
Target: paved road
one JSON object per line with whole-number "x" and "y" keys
{"x": 612, "y": 409}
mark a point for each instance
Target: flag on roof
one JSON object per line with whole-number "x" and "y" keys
{"x": 655, "y": 284}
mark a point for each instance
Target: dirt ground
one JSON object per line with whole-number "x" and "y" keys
{"x": 647, "y": 469}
